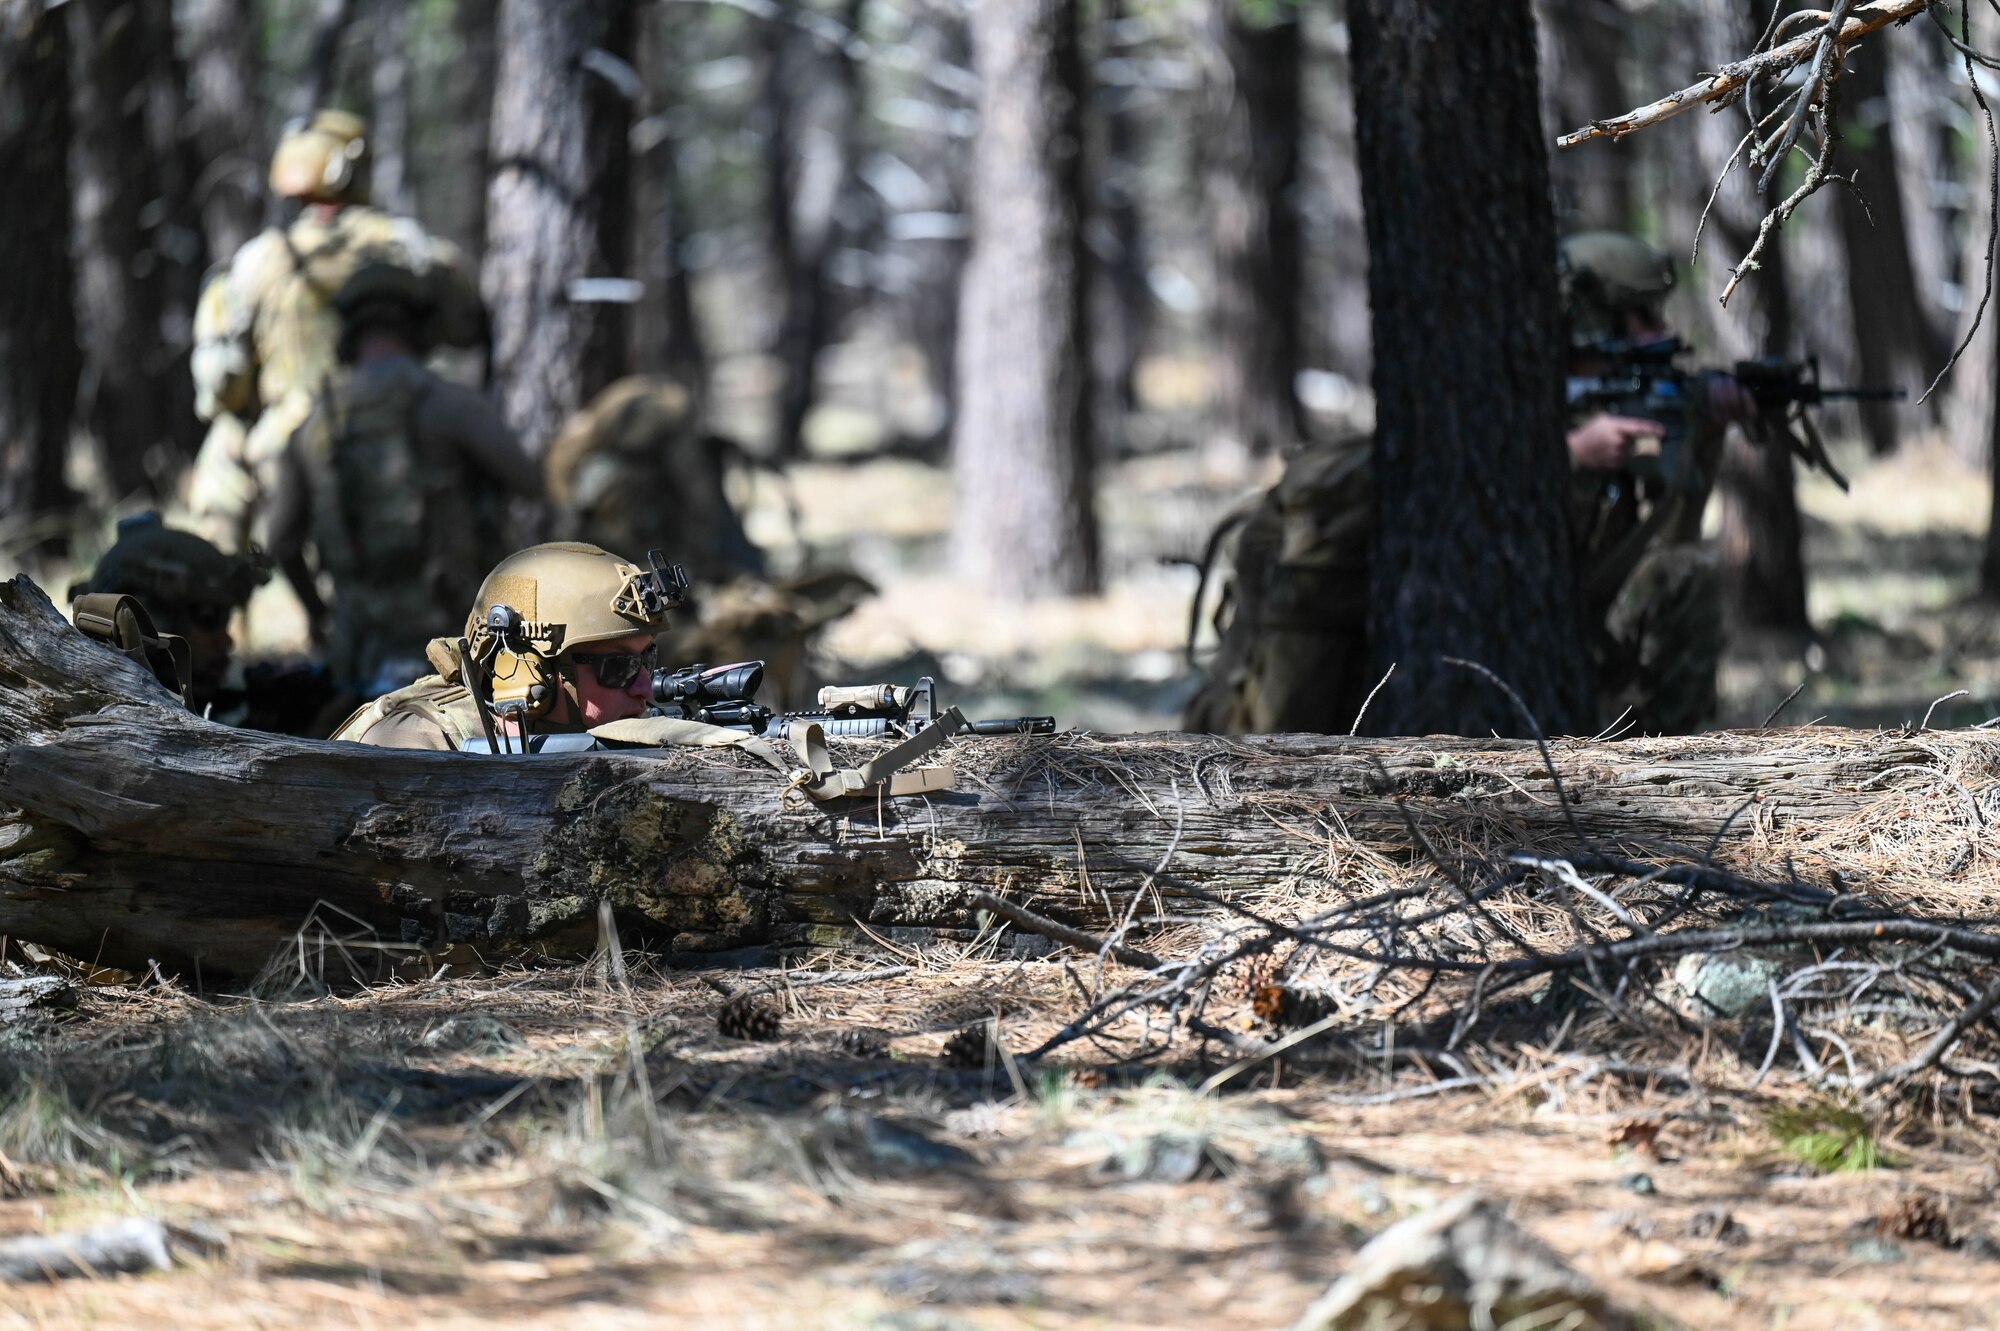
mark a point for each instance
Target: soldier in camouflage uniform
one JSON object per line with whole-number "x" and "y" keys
{"x": 1293, "y": 616}
{"x": 264, "y": 327}
{"x": 188, "y": 587}
{"x": 589, "y": 620}
{"x": 399, "y": 481}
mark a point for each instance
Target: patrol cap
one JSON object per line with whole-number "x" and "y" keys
{"x": 322, "y": 158}
{"x": 169, "y": 569}
{"x": 1604, "y": 274}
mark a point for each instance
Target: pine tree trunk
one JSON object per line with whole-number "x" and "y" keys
{"x": 1584, "y": 42}
{"x": 1892, "y": 334}
{"x": 1252, "y": 115}
{"x": 812, "y": 107}
{"x": 389, "y": 121}
{"x": 39, "y": 358}
{"x": 544, "y": 208}
{"x": 1332, "y": 200}
{"x": 665, "y": 337}
{"x": 614, "y": 96}
{"x": 219, "y": 38}
{"x": 1763, "y": 563}
{"x": 136, "y": 264}
{"x": 1472, "y": 549}
{"x": 1121, "y": 300}
{"x": 1023, "y": 519}
{"x": 470, "y": 98}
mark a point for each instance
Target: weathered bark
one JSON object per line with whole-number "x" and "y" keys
{"x": 1583, "y": 43}
{"x": 812, "y": 107}
{"x": 219, "y": 47}
{"x": 39, "y": 357}
{"x": 1024, "y": 522}
{"x": 545, "y": 208}
{"x": 1471, "y": 552}
{"x": 137, "y": 260}
{"x": 1253, "y": 78}
{"x": 146, "y": 834}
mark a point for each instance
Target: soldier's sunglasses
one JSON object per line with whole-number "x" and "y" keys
{"x": 615, "y": 670}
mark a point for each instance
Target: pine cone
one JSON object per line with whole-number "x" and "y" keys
{"x": 1920, "y": 1215}
{"x": 973, "y": 1046}
{"x": 1288, "y": 1006}
{"x": 749, "y": 1017}
{"x": 862, "y": 1042}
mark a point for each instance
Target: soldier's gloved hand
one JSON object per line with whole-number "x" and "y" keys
{"x": 1606, "y": 442}
{"x": 1729, "y": 402}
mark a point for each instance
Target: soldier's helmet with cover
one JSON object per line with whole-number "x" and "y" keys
{"x": 184, "y": 581}
{"x": 1606, "y": 275}
{"x": 322, "y": 158}
{"x": 539, "y": 605}
{"x": 399, "y": 297}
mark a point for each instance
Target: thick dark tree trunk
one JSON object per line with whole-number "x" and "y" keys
{"x": 139, "y": 833}
{"x": 545, "y": 208}
{"x": 137, "y": 260}
{"x": 1023, "y": 520}
{"x": 1583, "y": 44}
{"x": 812, "y": 105}
{"x": 1472, "y": 550}
{"x": 615, "y": 95}
{"x": 665, "y": 337}
{"x": 1892, "y": 334}
{"x": 39, "y": 357}
{"x": 219, "y": 46}
{"x": 1253, "y": 125}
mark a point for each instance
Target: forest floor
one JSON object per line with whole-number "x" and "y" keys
{"x": 571, "y": 1146}
{"x": 580, "y": 1147}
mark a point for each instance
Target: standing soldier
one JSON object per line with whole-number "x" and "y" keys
{"x": 399, "y": 480}
{"x": 264, "y": 327}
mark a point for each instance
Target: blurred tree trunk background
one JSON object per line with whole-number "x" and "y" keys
{"x": 40, "y": 361}
{"x": 1023, "y": 518}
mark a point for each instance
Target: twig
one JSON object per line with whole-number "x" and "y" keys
{"x": 1355, "y": 729}
{"x": 1023, "y": 918}
{"x": 1789, "y": 697}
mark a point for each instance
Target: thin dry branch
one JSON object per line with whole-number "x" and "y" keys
{"x": 1729, "y": 82}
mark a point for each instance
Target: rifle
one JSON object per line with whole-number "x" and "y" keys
{"x": 725, "y": 696}
{"x": 1642, "y": 379}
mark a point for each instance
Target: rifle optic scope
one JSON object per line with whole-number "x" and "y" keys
{"x": 708, "y": 686}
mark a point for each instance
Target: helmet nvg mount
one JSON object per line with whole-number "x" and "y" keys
{"x": 1603, "y": 276}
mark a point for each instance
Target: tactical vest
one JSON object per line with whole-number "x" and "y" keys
{"x": 396, "y": 517}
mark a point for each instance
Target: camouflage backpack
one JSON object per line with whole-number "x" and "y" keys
{"x": 397, "y": 520}
{"x": 1293, "y": 612}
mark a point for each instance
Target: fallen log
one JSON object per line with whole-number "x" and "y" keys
{"x": 143, "y": 834}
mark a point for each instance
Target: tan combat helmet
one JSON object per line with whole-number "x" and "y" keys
{"x": 544, "y": 602}
{"x": 1605, "y": 274}
{"x": 179, "y": 577}
{"x": 322, "y": 158}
